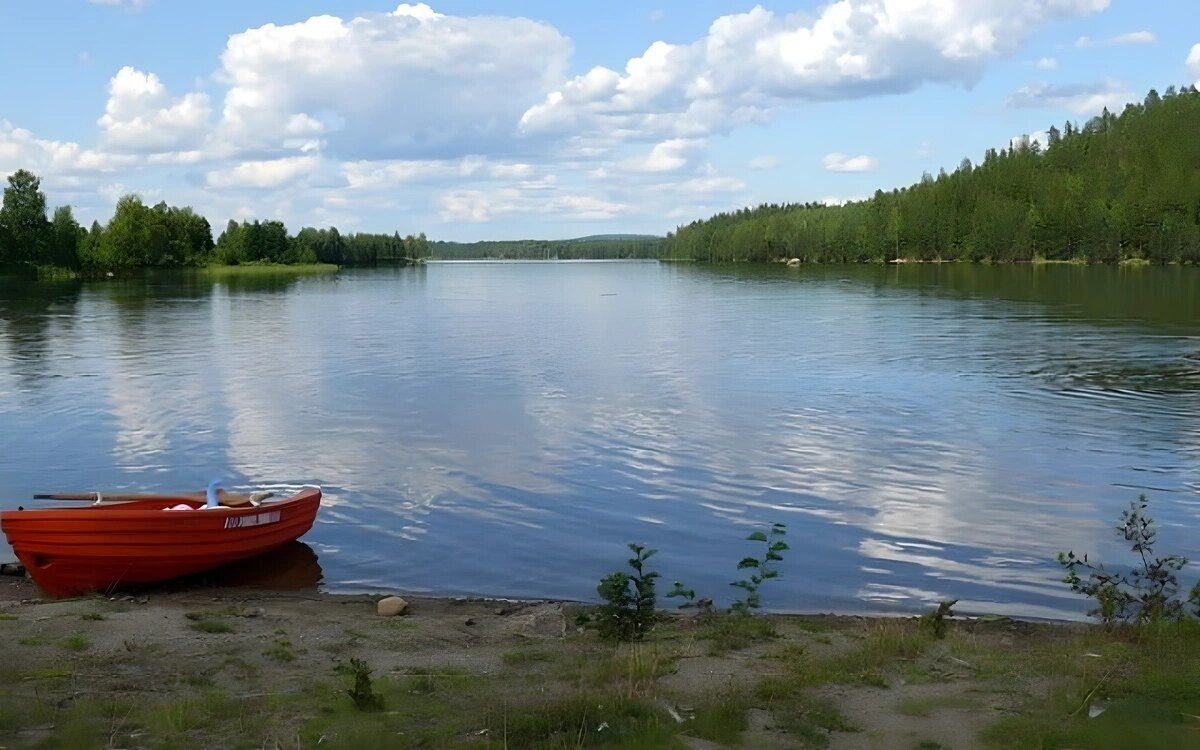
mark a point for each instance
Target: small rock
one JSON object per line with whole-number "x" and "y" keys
{"x": 469, "y": 621}
{"x": 391, "y": 606}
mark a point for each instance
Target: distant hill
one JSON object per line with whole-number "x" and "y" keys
{"x": 1123, "y": 188}
{"x": 615, "y": 237}
{"x": 594, "y": 247}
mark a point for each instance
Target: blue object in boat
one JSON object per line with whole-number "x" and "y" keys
{"x": 210, "y": 497}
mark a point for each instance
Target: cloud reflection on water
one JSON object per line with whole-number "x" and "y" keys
{"x": 530, "y": 421}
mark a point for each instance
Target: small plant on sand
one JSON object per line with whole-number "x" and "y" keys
{"x": 362, "y": 692}
{"x": 210, "y": 626}
{"x": 762, "y": 568}
{"x": 630, "y": 599}
{"x": 1147, "y": 592}
{"x": 690, "y": 601}
{"x": 281, "y": 652}
{"x": 935, "y": 621}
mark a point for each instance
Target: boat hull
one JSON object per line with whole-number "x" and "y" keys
{"x": 72, "y": 551}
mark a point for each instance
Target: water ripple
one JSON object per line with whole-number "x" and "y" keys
{"x": 925, "y": 433}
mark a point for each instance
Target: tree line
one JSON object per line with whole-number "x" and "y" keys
{"x": 162, "y": 236}
{"x": 1121, "y": 188}
{"x": 596, "y": 247}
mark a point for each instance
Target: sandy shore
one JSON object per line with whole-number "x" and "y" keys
{"x": 224, "y": 667}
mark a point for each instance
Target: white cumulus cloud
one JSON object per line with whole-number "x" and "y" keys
{"x": 667, "y": 156}
{"x": 750, "y": 63}
{"x": 271, "y": 173}
{"x": 412, "y": 83}
{"x": 1193, "y": 62}
{"x": 1083, "y": 99}
{"x": 21, "y": 149}
{"x": 836, "y": 162}
{"x": 1027, "y": 140}
{"x": 142, "y": 117}
{"x": 393, "y": 173}
{"x": 478, "y": 206}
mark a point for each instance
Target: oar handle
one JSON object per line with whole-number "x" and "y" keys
{"x": 114, "y": 496}
{"x": 225, "y": 498}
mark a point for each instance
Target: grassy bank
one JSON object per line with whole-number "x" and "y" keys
{"x": 230, "y": 668}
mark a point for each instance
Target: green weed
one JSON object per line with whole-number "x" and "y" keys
{"x": 936, "y": 621}
{"x": 730, "y": 632}
{"x": 361, "y": 690}
{"x": 211, "y": 626}
{"x": 75, "y": 643}
{"x": 926, "y": 706}
{"x": 762, "y": 568}
{"x": 281, "y": 652}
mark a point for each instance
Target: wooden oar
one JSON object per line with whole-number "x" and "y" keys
{"x": 230, "y": 499}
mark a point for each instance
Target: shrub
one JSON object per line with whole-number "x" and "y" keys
{"x": 935, "y": 621}
{"x": 1147, "y": 592}
{"x": 362, "y": 692}
{"x": 763, "y": 569}
{"x": 630, "y": 599}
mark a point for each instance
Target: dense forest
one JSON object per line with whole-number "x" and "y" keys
{"x": 595, "y": 247}
{"x": 162, "y": 236}
{"x": 1120, "y": 188}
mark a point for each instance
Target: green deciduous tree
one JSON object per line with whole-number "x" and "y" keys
{"x": 165, "y": 236}
{"x": 127, "y": 239}
{"x": 25, "y": 234}
{"x": 65, "y": 237}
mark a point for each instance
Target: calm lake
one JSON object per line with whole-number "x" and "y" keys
{"x": 503, "y": 429}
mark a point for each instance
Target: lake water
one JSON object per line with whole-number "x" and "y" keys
{"x": 503, "y": 429}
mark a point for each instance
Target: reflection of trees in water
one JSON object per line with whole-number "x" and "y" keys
{"x": 1164, "y": 301}
{"x": 148, "y": 289}
{"x": 1096, "y": 295}
{"x": 33, "y": 316}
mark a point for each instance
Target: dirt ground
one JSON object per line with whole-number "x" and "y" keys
{"x": 234, "y": 667}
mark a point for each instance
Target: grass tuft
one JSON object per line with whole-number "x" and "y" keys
{"x": 75, "y": 643}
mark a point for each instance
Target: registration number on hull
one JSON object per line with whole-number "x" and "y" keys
{"x": 262, "y": 519}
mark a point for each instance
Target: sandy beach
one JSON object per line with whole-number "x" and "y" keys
{"x": 235, "y": 667}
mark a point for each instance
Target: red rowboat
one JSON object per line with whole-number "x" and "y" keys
{"x": 70, "y": 551}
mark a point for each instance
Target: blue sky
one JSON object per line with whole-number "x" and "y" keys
{"x": 479, "y": 120}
